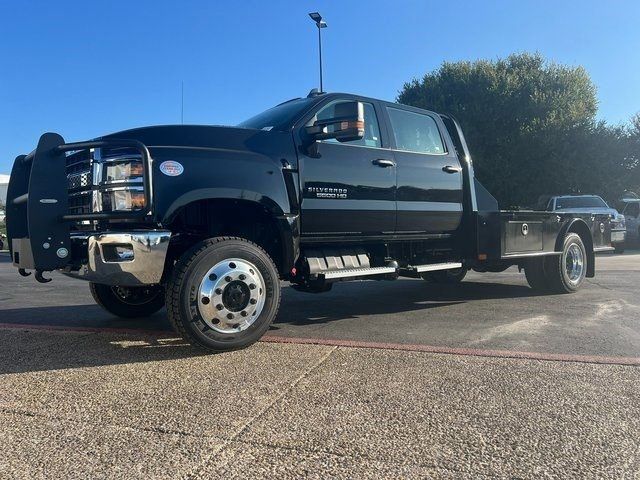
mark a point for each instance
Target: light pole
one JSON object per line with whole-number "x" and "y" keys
{"x": 316, "y": 17}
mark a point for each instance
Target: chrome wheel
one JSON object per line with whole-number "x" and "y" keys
{"x": 574, "y": 264}
{"x": 231, "y": 296}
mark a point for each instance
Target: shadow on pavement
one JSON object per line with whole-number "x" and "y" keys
{"x": 36, "y": 350}
{"x": 88, "y": 316}
{"x": 27, "y": 350}
{"x": 352, "y": 300}
{"x": 347, "y": 300}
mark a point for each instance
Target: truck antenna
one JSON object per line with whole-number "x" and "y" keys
{"x": 182, "y": 103}
{"x": 320, "y": 23}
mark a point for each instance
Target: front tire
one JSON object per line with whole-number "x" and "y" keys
{"x": 128, "y": 302}
{"x": 223, "y": 294}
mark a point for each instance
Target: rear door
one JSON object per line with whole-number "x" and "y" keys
{"x": 348, "y": 189}
{"x": 429, "y": 177}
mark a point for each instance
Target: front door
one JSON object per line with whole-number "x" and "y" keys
{"x": 349, "y": 188}
{"x": 429, "y": 195}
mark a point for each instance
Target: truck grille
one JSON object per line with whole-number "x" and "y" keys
{"x": 80, "y": 178}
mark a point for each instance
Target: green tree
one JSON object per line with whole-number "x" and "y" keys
{"x": 527, "y": 122}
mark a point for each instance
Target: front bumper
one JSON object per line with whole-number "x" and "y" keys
{"x": 42, "y": 210}
{"x": 127, "y": 259}
{"x": 618, "y": 236}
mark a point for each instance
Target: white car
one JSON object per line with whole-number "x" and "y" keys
{"x": 2, "y": 216}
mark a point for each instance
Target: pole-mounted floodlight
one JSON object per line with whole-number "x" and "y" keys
{"x": 320, "y": 23}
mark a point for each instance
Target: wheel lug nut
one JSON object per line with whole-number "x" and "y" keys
{"x": 213, "y": 277}
{"x": 218, "y": 291}
{"x": 215, "y": 321}
{"x": 205, "y": 300}
{"x": 230, "y": 316}
{"x": 227, "y": 278}
{"x": 242, "y": 277}
{"x": 252, "y": 286}
{"x": 253, "y": 301}
{"x": 243, "y": 313}
{"x": 219, "y": 306}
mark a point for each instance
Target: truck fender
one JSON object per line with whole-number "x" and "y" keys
{"x": 579, "y": 226}
{"x": 287, "y": 224}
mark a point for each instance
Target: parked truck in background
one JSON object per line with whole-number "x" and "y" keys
{"x": 593, "y": 204}
{"x": 208, "y": 220}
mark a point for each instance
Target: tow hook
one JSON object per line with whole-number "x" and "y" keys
{"x": 40, "y": 278}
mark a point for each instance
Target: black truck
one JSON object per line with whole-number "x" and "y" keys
{"x": 207, "y": 220}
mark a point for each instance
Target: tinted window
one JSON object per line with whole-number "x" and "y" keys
{"x": 415, "y": 132}
{"x": 580, "y": 202}
{"x": 280, "y": 117}
{"x": 371, "y": 128}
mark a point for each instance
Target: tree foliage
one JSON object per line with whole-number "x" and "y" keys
{"x": 531, "y": 127}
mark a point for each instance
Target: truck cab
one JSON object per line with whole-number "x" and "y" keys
{"x": 208, "y": 221}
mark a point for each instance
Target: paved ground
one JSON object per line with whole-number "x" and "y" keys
{"x": 131, "y": 404}
{"x": 488, "y": 311}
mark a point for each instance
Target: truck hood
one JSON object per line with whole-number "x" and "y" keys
{"x": 199, "y": 136}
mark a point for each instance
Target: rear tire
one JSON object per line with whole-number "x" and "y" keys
{"x": 563, "y": 273}
{"x": 223, "y": 294}
{"x": 450, "y": 277}
{"x": 128, "y": 302}
{"x": 534, "y": 271}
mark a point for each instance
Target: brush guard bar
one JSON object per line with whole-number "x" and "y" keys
{"x": 38, "y": 219}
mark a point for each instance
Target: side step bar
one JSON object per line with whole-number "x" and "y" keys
{"x": 433, "y": 267}
{"x": 413, "y": 271}
{"x": 356, "y": 273}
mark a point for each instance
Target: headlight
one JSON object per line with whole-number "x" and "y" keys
{"x": 123, "y": 171}
{"x": 619, "y": 222}
{"x": 123, "y": 199}
{"x": 119, "y": 179}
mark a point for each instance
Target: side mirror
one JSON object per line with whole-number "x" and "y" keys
{"x": 346, "y": 125}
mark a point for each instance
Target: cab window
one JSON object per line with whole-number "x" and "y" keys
{"x": 371, "y": 127}
{"x": 415, "y": 132}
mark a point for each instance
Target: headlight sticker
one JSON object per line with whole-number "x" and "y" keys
{"x": 171, "y": 168}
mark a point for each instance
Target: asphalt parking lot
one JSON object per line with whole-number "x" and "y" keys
{"x": 483, "y": 379}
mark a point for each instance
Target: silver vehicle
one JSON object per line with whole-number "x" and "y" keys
{"x": 594, "y": 204}
{"x": 630, "y": 208}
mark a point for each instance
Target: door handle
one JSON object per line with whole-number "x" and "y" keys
{"x": 451, "y": 169}
{"x": 383, "y": 162}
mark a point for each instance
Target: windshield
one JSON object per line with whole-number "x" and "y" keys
{"x": 580, "y": 202}
{"x": 279, "y": 117}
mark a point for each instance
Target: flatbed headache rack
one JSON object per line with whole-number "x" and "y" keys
{"x": 38, "y": 218}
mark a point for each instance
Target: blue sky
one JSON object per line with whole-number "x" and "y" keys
{"x": 84, "y": 69}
